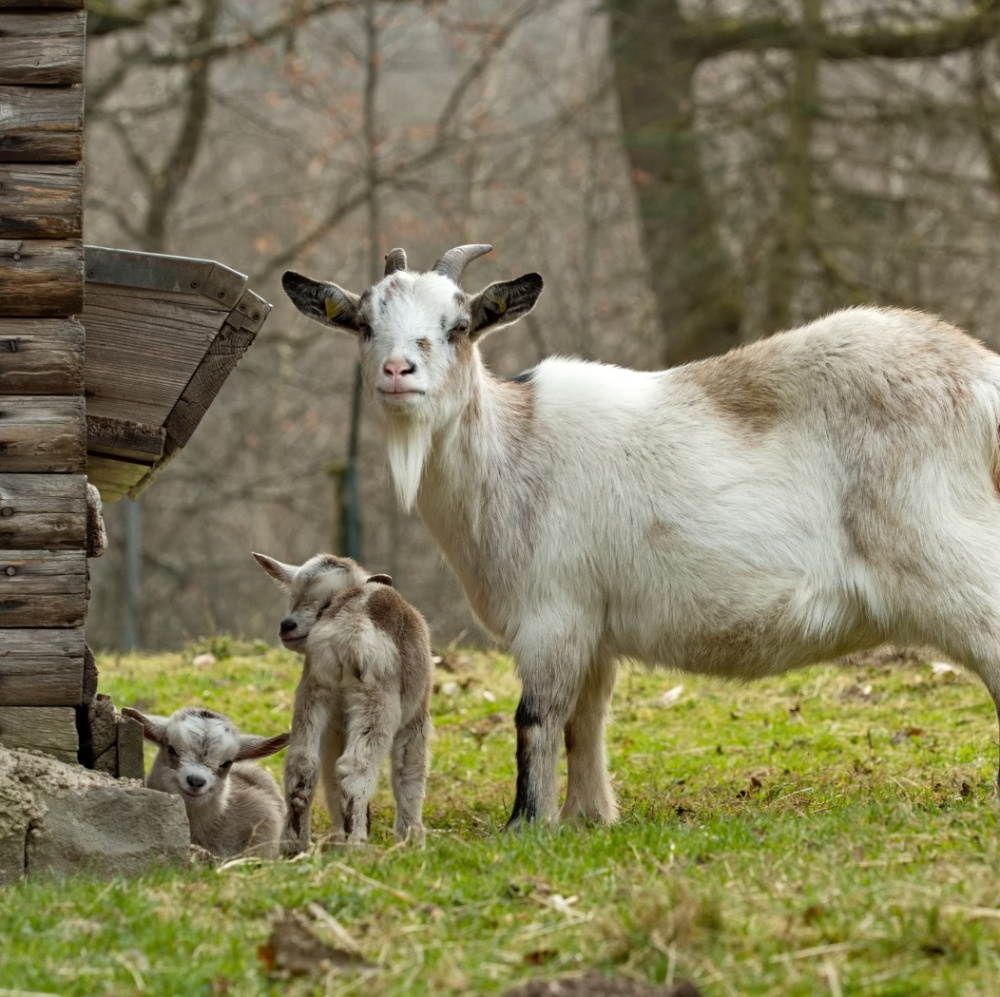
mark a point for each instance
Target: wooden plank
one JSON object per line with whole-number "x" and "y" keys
{"x": 124, "y": 440}
{"x": 225, "y": 352}
{"x": 143, "y": 348}
{"x": 43, "y": 4}
{"x": 41, "y": 356}
{"x": 113, "y": 478}
{"x": 131, "y": 756}
{"x": 44, "y": 511}
{"x": 42, "y": 668}
{"x": 43, "y": 588}
{"x": 51, "y": 729}
{"x": 41, "y": 277}
{"x": 41, "y": 201}
{"x": 42, "y": 48}
{"x": 41, "y": 124}
{"x": 43, "y": 434}
{"x": 216, "y": 286}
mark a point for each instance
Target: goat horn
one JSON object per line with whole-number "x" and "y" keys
{"x": 396, "y": 260}
{"x": 456, "y": 260}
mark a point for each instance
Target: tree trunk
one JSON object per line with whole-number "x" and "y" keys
{"x": 691, "y": 274}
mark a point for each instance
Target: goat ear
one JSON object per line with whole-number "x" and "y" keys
{"x": 254, "y": 746}
{"x": 502, "y": 303}
{"x": 283, "y": 574}
{"x": 325, "y": 302}
{"x": 154, "y": 728}
{"x": 381, "y": 579}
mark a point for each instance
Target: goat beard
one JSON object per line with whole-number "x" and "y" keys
{"x": 407, "y": 447}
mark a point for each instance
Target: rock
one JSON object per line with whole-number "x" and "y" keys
{"x": 57, "y": 819}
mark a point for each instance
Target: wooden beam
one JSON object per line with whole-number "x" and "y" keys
{"x": 43, "y": 434}
{"x": 43, "y": 511}
{"x": 113, "y": 478}
{"x": 41, "y": 124}
{"x": 43, "y": 4}
{"x": 41, "y": 356}
{"x": 124, "y": 439}
{"x": 225, "y": 352}
{"x": 40, "y": 277}
{"x": 41, "y": 201}
{"x": 51, "y": 729}
{"x": 42, "y": 668}
{"x": 42, "y": 48}
{"x": 43, "y": 588}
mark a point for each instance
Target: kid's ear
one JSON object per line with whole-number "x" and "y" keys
{"x": 503, "y": 303}
{"x": 324, "y": 302}
{"x": 381, "y": 579}
{"x": 154, "y": 728}
{"x": 254, "y": 746}
{"x": 283, "y": 574}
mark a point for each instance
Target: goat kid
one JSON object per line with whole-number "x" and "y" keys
{"x": 364, "y": 694}
{"x": 824, "y": 491}
{"x": 234, "y": 807}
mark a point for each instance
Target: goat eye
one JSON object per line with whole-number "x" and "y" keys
{"x": 172, "y": 751}
{"x": 226, "y": 766}
{"x": 460, "y": 328}
{"x": 364, "y": 328}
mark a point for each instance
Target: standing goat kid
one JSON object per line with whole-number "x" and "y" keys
{"x": 233, "y": 806}
{"x": 820, "y": 492}
{"x": 364, "y": 693}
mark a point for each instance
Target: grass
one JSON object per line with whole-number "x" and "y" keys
{"x": 833, "y": 831}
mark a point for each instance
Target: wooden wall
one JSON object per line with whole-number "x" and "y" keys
{"x": 47, "y": 679}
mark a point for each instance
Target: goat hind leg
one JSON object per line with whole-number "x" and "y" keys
{"x": 373, "y": 718}
{"x": 588, "y": 790}
{"x": 409, "y": 777}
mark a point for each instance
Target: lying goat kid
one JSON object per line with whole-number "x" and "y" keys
{"x": 365, "y": 692}
{"x": 233, "y": 806}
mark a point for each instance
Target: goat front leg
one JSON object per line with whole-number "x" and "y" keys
{"x": 551, "y": 676}
{"x": 588, "y": 787}
{"x": 373, "y": 714}
{"x": 410, "y": 761}
{"x": 310, "y": 717}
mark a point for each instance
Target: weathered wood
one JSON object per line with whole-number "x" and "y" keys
{"x": 42, "y": 588}
{"x": 89, "y": 675}
{"x": 40, "y": 277}
{"x": 41, "y": 201}
{"x": 42, "y": 667}
{"x": 114, "y": 477}
{"x": 124, "y": 439}
{"x": 97, "y": 535}
{"x": 43, "y": 434}
{"x": 41, "y": 124}
{"x": 41, "y": 356}
{"x": 51, "y": 729}
{"x": 142, "y": 349}
{"x": 216, "y": 287}
{"x": 42, "y": 48}
{"x": 43, "y": 511}
{"x": 131, "y": 757}
{"x": 43, "y": 4}
{"x": 225, "y": 352}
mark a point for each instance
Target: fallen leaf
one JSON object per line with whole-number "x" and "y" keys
{"x": 900, "y": 736}
{"x": 540, "y": 956}
{"x": 293, "y": 949}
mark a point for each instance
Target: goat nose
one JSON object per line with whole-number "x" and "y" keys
{"x": 196, "y": 781}
{"x": 287, "y": 624}
{"x": 396, "y": 368}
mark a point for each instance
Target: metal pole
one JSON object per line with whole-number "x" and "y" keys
{"x": 133, "y": 574}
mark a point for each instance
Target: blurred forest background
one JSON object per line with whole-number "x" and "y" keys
{"x": 686, "y": 175}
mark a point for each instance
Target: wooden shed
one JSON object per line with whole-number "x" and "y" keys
{"x": 108, "y": 361}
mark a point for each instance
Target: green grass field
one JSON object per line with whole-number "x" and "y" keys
{"x": 833, "y": 831}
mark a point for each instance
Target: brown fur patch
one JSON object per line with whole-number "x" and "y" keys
{"x": 741, "y": 384}
{"x": 425, "y": 346}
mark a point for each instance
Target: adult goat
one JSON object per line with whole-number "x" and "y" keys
{"x": 820, "y": 492}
